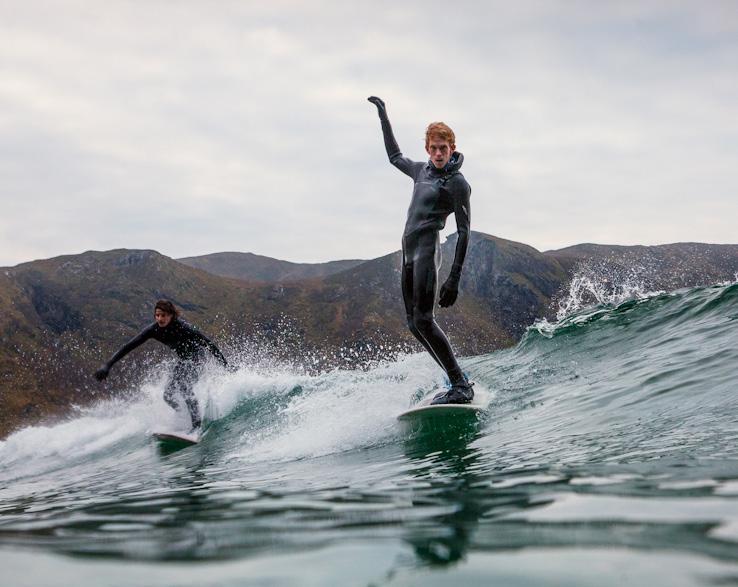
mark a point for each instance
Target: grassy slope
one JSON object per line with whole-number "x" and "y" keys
{"x": 61, "y": 317}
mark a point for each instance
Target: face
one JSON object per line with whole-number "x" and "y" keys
{"x": 162, "y": 318}
{"x": 440, "y": 151}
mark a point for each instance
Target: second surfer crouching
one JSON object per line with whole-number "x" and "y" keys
{"x": 189, "y": 344}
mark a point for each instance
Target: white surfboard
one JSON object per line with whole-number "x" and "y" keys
{"x": 424, "y": 408}
{"x": 176, "y": 437}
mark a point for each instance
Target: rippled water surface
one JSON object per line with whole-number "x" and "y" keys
{"x": 608, "y": 455}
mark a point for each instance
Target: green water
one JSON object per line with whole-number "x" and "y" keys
{"x": 608, "y": 455}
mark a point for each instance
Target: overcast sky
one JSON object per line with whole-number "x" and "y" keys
{"x": 192, "y": 127}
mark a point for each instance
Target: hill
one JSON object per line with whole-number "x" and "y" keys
{"x": 61, "y": 317}
{"x": 665, "y": 267}
{"x": 251, "y": 267}
{"x": 613, "y": 271}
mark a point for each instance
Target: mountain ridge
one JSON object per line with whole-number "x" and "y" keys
{"x": 253, "y": 267}
{"x": 61, "y": 317}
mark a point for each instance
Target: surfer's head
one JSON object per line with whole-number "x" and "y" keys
{"x": 440, "y": 143}
{"x": 164, "y": 313}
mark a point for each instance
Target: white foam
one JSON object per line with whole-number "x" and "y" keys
{"x": 336, "y": 411}
{"x": 105, "y": 424}
{"x": 221, "y": 392}
{"x": 343, "y": 410}
{"x": 593, "y": 289}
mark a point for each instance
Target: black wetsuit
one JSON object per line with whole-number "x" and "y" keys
{"x": 436, "y": 194}
{"x": 190, "y": 345}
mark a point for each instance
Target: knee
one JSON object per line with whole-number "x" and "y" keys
{"x": 423, "y": 323}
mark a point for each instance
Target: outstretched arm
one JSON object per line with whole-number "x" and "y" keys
{"x": 215, "y": 351}
{"x": 135, "y": 342}
{"x": 462, "y": 212}
{"x": 390, "y": 143}
{"x": 209, "y": 344}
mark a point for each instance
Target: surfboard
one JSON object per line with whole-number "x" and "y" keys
{"x": 440, "y": 410}
{"x": 424, "y": 409}
{"x": 178, "y": 438}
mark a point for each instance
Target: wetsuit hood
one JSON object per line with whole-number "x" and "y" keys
{"x": 454, "y": 164}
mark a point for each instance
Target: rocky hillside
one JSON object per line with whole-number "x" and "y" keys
{"x": 666, "y": 267}
{"x": 252, "y": 267}
{"x": 61, "y": 317}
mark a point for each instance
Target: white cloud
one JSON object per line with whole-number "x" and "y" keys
{"x": 192, "y": 129}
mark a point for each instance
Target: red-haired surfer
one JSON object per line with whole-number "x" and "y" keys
{"x": 439, "y": 190}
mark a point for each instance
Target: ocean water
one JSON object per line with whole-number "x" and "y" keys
{"x": 607, "y": 455}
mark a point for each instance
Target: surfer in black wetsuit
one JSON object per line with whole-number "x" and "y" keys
{"x": 185, "y": 340}
{"x": 440, "y": 189}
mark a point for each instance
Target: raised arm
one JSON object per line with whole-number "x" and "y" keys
{"x": 134, "y": 343}
{"x": 390, "y": 143}
{"x": 462, "y": 212}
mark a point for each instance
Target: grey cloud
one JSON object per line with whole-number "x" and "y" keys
{"x": 190, "y": 129}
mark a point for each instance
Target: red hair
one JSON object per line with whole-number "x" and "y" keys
{"x": 439, "y": 130}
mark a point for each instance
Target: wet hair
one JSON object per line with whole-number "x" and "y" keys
{"x": 440, "y": 130}
{"x": 167, "y": 307}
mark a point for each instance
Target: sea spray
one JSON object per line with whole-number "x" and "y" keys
{"x": 614, "y": 440}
